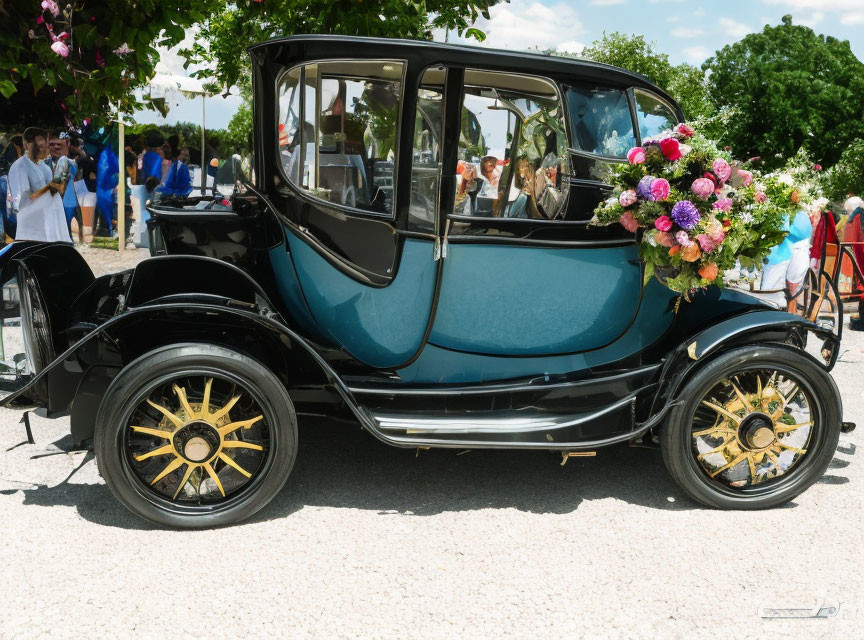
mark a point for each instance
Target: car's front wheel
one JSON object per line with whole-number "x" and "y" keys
{"x": 755, "y": 428}
{"x": 195, "y": 436}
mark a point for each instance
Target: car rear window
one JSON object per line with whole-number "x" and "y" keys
{"x": 601, "y": 121}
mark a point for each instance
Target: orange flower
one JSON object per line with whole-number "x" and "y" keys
{"x": 674, "y": 250}
{"x": 691, "y": 253}
{"x": 708, "y": 271}
{"x": 795, "y": 197}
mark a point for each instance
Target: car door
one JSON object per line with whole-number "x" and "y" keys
{"x": 523, "y": 273}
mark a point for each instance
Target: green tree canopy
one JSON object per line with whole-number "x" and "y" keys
{"x": 234, "y": 26}
{"x": 789, "y": 88}
{"x": 684, "y": 82}
{"x": 71, "y": 58}
{"x": 847, "y": 176}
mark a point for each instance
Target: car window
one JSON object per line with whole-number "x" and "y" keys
{"x": 653, "y": 115}
{"x": 512, "y": 151}
{"x": 600, "y": 121}
{"x": 426, "y": 154}
{"x": 338, "y": 128}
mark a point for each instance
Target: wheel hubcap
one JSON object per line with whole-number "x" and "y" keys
{"x": 752, "y": 427}
{"x": 199, "y": 441}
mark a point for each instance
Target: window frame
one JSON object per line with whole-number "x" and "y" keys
{"x": 283, "y": 174}
{"x": 631, "y": 106}
{"x": 562, "y": 104}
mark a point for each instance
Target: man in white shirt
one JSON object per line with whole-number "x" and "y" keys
{"x": 35, "y": 198}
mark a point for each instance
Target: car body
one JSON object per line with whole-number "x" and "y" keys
{"x": 411, "y": 254}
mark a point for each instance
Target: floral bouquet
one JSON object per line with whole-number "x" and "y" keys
{"x": 697, "y": 212}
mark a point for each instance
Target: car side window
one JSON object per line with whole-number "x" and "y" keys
{"x": 426, "y": 154}
{"x": 652, "y": 114}
{"x": 512, "y": 151}
{"x": 600, "y": 121}
{"x": 338, "y": 131}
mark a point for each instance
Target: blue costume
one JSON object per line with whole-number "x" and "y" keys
{"x": 107, "y": 174}
{"x": 151, "y": 166}
{"x": 178, "y": 182}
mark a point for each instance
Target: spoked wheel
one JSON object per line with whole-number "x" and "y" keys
{"x": 757, "y": 427}
{"x": 195, "y": 436}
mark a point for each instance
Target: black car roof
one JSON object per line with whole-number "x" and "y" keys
{"x": 318, "y": 44}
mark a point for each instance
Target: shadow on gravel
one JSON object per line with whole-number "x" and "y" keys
{"x": 342, "y": 466}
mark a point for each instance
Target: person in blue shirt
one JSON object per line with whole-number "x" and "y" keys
{"x": 178, "y": 182}
{"x": 107, "y": 178}
{"x": 786, "y": 266}
{"x": 151, "y": 162}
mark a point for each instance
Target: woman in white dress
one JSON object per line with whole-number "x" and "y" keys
{"x": 36, "y": 198}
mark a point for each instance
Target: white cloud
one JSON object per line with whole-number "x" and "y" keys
{"x": 812, "y": 20}
{"x": 733, "y": 28}
{"x": 606, "y": 3}
{"x": 818, "y": 5}
{"x": 523, "y": 24}
{"x": 696, "y": 54}
{"x": 686, "y": 32}
{"x": 571, "y": 46}
{"x": 853, "y": 19}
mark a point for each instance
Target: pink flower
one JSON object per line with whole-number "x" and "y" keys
{"x": 663, "y": 223}
{"x": 100, "y": 61}
{"x": 702, "y": 187}
{"x": 723, "y": 204}
{"x": 627, "y": 198}
{"x": 636, "y": 155}
{"x": 715, "y": 231}
{"x": 628, "y": 222}
{"x": 660, "y": 189}
{"x": 63, "y": 36}
{"x": 123, "y": 49}
{"x": 685, "y": 130}
{"x": 705, "y": 242}
{"x": 817, "y": 167}
{"x": 746, "y": 177}
{"x": 664, "y": 239}
{"x": 722, "y": 169}
{"x": 40, "y": 20}
{"x": 671, "y": 149}
{"x": 60, "y": 48}
{"x": 50, "y": 5}
{"x": 760, "y": 197}
{"x": 683, "y": 239}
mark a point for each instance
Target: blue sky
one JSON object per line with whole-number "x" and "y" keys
{"x": 687, "y": 30}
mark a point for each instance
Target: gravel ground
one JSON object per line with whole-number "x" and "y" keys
{"x": 371, "y": 541}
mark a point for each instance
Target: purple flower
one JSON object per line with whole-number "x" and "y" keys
{"x": 683, "y": 239}
{"x": 643, "y": 189}
{"x": 685, "y": 214}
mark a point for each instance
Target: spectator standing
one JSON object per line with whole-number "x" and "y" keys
{"x": 58, "y": 148}
{"x": 178, "y": 182}
{"x": 36, "y": 196}
{"x": 151, "y": 163}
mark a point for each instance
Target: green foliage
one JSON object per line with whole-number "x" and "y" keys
{"x": 790, "y": 88}
{"x": 33, "y": 78}
{"x": 847, "y": 176}
{"x": 231, "y": 28}
{"x": 684, "y": 82}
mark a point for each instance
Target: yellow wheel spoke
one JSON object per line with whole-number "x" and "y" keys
{"x": 722, "y": 411}
{"x": 215, "y": 477}
{"x": 759, "y": 387}
{"x": 224, "y": 457}
{"x": 784, "y": 400}
{"x": 734, "y": 462}
{"x": 233, "y": 426}
{"x": 240, "y": 444}
{"x": 189, "y": 469}
{"x": 159, "y": 433}
{"x": 753, "y": 477}
{"x": 176, "y": 463}
{"x": 161, "y": 451}
{"x": 177, "y": 422}
{"x": 180, "y": 392}
{"x": 744, "y": 399}
{"x": 783, "y": 445}
{"x": 785, "y": 428}
{"x": 205, "y": 404}
{"x": 221, "y": 413}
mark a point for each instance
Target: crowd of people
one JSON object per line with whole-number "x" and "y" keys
{"x": 55, "y": 186}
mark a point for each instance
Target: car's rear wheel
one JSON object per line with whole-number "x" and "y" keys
{"x": 195, "y": 436}
{"x": 755, "y": 428}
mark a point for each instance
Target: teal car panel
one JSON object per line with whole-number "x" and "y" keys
{"x": 437, "y": 365}
{"x": 380, "y": 326}
{"x": 506, "y": 300}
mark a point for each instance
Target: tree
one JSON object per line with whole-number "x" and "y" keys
{"x": 71, "y": 60}
{"x": 789, "y": 88}
{"x": 234, "y": 26}
{"x": 847, "y": 176}
{"x": 684, "y": 82}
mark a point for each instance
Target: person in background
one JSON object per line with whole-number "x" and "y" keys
{"x": 178, "y": 182}
{"x": 58, "y": 147}
{"x": 11, "y": 152}
{"x": 786, "y": 266}
{"x": 36, "y": 197}
{"x": 151, "y": 161}
{"x": 107, "y": 175}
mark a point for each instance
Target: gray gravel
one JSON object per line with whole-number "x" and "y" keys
{"x": 370, "y": 541}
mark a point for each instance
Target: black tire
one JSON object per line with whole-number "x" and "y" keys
{"x": 677, "y": 439}
{"x": 133, "y": 386}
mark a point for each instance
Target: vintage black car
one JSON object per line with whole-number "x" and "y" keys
{"x": 410, "y": 250}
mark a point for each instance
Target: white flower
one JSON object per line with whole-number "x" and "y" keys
{"x": 685, "y": 149}
{"x": 123, "y": 49}
{"x": 651, "y": 239}
{"x": 785, "y": 178}
{"x": 746, "y": 217}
